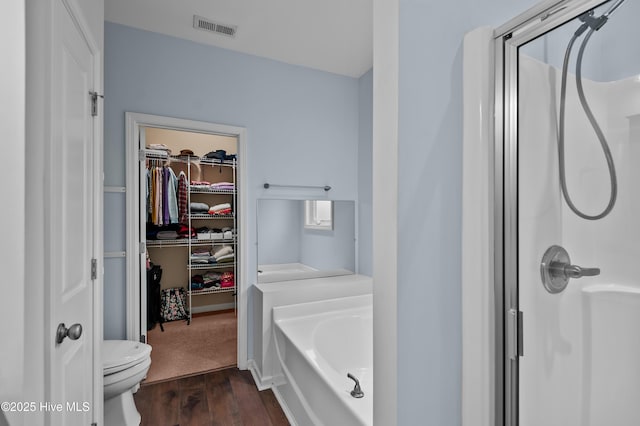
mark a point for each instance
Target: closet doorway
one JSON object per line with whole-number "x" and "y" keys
{"x": 185, "y": 247}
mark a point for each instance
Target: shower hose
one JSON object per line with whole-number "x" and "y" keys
{"x": 594, "y": 124}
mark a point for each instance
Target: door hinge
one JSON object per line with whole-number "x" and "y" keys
{"x": 94, "y": 424}
{"x": 143, "y": 247}
{"x": 94, "y": 269}
{"x": 94, "y": 103}
{"x": 514, "y": 334}
{"x": 143, "y": 339}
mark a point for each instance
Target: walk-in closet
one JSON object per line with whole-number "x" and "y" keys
{"x": 188, "y": 225}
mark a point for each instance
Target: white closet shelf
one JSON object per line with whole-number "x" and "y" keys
{"x": 185, "y": 243}
{"x": 204, "y": 267}
{"x": 212, "y": 191}
{"x": 212, "y": 290}
{"x": 160, "y": 155}
{"x": 206, "y": 216}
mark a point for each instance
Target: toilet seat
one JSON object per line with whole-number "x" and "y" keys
{"x": 128, "y": 374}
{"x": 119, "y": 355}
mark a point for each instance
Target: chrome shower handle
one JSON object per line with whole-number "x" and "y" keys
{"x": 556, "y": 269}
{"x": 575, "y": 271}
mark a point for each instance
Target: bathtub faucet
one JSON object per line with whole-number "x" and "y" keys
{"x": 356, "y": 392}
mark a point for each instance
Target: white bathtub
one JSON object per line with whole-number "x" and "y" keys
{"x": 264, "y": 365}
{"x": 294, "y": 271}
{"x": 317, "y": 344}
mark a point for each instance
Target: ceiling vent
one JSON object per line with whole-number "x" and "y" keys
{"x": 214, "y": 27}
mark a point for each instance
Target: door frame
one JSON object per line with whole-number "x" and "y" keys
{"x": 490, "y": 220}
{"x": 134, "y": 294}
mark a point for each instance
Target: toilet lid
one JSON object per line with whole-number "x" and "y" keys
{"x": 120, "y": 354}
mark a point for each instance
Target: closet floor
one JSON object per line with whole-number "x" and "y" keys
{"x": 226, "y": 397}
{"x": 209, "y": 343}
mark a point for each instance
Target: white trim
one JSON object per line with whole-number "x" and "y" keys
{"x": 266, "y": 382}
{"x": 133, "y": 123}
{"x": 12, "y": 128}
{"x": 285, "y": 408}
{"x": 385, "y": 210}
{"x": 478, "y": 354}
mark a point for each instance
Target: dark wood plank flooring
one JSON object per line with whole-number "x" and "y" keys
{"x": 222, "y": 398}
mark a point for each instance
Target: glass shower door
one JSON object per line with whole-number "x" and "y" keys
{"x": 578, "y": 286}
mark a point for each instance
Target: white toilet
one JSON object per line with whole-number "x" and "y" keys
{"x": 125, "y": 364}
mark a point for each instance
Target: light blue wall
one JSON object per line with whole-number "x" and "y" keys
{"x": 279, "y": 227}
{"x": 302, "y": 125}
{"x": 365, "y": 177}
{"x": 429, "y": 202}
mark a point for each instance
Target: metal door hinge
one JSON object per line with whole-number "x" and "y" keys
{"x": 143, "y": 247}
{"x": 94, "y": 269}
{"x": 94, "y": 103}
{"x": 143, "y": 339}
{"x": 514, "y": 334}
{"x": 94, "y": 424}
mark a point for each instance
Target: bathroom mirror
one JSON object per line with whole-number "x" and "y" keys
{"x": 290, "y": 249}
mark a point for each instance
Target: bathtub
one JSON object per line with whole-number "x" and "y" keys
{"x": 317, "y": 344}
{"x": 264, "y": 364}
{"x": 294, "y": 271}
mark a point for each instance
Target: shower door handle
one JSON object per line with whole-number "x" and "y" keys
{"x": 556, "y": 269}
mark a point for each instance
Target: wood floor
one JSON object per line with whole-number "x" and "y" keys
{"x": 226, "y": 398}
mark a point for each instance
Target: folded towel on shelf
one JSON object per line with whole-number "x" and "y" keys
{"x": 198, "y": 207}
{"x": 200, "y": 252}
{"x": 211, "y": 278}
{"x": 200, "y": 183}
{"x": 227, "y": 186}
{"x": 227, "y": 258}
{"x": 167, "y": 235}
{"x": 222, "y": 251}
{"x": 220, "y": 209}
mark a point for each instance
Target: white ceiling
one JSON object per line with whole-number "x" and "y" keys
{"x": 328, "y": 35}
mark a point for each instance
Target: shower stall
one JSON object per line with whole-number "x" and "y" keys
{"x": 567, "y": 215}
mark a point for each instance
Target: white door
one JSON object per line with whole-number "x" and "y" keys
{"x": 70, "y": 229}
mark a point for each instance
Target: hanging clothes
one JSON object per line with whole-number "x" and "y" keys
{"x": 183, "y": 197}
{"x": 173, "y": 197}
{"x": 162, "y": 196}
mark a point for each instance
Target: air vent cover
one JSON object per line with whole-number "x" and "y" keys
{"x": 214, "y": 27}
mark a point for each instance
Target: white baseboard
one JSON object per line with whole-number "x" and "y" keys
{"x": 262, "y": 383}
{"x": 285, "y": 408}
{"x": 212, "y": 308}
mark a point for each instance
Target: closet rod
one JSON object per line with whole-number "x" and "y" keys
{"x": 269, "y": 185}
